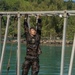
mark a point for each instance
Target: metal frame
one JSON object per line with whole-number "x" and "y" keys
{"x": 4, "y": 43}
{"x": 63, "y": 43}
{"x": 65, "y": 14}
{"x": 0, "y": 35}
{"x": 18, "y": 49}
{"x": 0, "y": 39}
{"x": 72, "y": 58}
{"x": 43, "y": 13}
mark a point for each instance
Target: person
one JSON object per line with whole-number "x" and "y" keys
{"x": 33, "y": 36}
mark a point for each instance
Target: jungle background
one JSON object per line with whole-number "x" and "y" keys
{"x": 51, "y": 26}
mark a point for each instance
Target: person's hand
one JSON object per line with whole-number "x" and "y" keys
{"x": 38, "y": 16}
{"x": 39, "y": 51}
{"x": 26, "y": 16}
{"x": 15, "y": 18}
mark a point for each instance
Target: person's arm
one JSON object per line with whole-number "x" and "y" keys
{"x": 39, "y": 50}
{"x": 39, "y": 26}
{"x": 26, "y": 28}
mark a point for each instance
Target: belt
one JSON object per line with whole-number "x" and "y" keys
{"x": 31, "y": 57}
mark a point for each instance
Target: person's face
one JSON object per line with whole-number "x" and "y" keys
{"x": 32, "y": 32}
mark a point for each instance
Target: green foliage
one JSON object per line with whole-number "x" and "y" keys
{"x": 52, "y": 26}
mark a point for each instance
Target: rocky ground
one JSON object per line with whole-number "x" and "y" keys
{"x": 50, "y": 42}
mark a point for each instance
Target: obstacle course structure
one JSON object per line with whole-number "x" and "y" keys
{"x": 65, "y": 14}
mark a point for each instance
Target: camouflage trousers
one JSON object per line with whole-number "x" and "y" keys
{"x": 30, "y": 63}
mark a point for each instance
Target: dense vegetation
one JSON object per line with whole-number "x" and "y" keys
{"x": 52, "y": 26}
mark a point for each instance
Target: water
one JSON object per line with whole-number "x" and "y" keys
{"x": 50, "y": 60}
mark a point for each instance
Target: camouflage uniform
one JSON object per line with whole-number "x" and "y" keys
{"x": 33, "y": 50}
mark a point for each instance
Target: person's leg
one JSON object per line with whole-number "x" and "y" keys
{"x": 25, "y": 67}
{"x": 35, "y": 67}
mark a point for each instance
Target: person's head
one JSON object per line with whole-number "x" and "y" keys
{"x": 32, "y": 31}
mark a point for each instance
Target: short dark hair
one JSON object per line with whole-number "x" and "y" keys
{"x": 33, "y": 28}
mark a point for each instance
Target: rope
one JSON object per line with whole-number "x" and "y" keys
{"x": 8, "y": 66}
